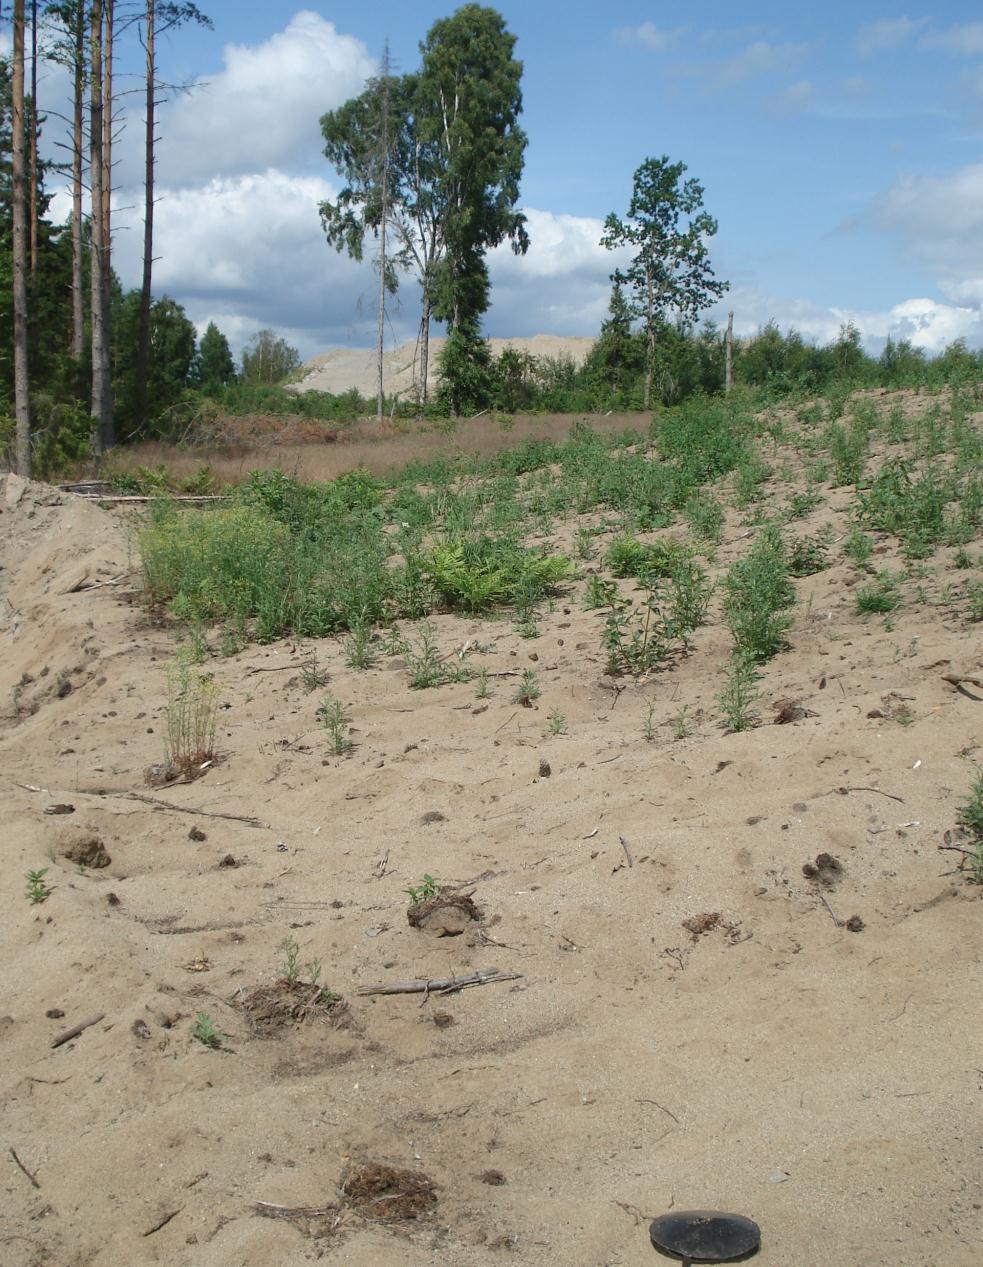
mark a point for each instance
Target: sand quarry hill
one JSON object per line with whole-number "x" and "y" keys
{"x": 341, "y": 369}
{"x": 685, "y": 1019}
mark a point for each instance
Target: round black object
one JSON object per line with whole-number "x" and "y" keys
{"x": 705, "y": 1236}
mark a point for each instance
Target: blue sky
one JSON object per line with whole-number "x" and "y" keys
{"x": 839, "y": 146}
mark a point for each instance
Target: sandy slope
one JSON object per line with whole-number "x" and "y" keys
{"x": 823, "y": 1081}
{"x": 341, "y": 369}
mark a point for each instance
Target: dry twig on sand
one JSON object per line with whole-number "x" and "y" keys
{"x": 446, "y": 985}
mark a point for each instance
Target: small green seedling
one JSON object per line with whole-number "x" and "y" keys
{"x": 205, "y": 1032}
{"x": 37, "y": 887}
{"x": 333, "y": 718}
{"x": 556, "y": 723}
{"x": 528, "y": 689}
{"x": 311, "y": 676}
{"x": 423, "y": 892}
{"x": 649, "y": 728}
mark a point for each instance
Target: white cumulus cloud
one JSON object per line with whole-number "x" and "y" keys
{"x": 648, "y": 35}
{"x": 264, "y": 107}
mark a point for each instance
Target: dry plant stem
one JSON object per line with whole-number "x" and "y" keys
{"x": 626, "y": 847}
{"x": 24, "y": 1170}
{"x": 890, "y": 795}
{"x": 838, "y": 922}
{"x": 448, "y": 985}
{"x": 68, "y": 1034}
{"x": 187, "y": 809}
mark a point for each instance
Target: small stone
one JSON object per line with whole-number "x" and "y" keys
{"x": 196, "y": 834}
{"x": 54, "y": 1013}
{"x": 493, "y": 1177}
{"x": 545, "y": 770}
{"x": 855, "y": 924}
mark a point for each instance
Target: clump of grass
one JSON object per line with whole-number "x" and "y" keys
{"x": 474, "y": 573}
{"x": 808, "y": 555}
{"x": 971, "y": 817}
{"x": 204, "y": 1032}
{"x": 858, "y": 547}
{"x": 331, "y": 714}
{"x": 359, "y": 650}
{"x": 705, "y": 516}
{"x": 680, "y": 723}
{"x": 598, "y": 593}
{"x": 293, "y": 973}
{"x": 37, "y": 887}
{"x": 426, "y": 667}
{"x": 881, "y": 597}
{"x": 312, "y": 678}
{"x": 528, "y": 690}
{"x": 556, "y": 723}
{"x": 190, "y": 720}
{"x": 649, "y": 727}
{"x": 740, "y": 698}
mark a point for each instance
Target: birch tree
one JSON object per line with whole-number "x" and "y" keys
{"x": 670, "y": 274}
{"x": 22, "y": 406}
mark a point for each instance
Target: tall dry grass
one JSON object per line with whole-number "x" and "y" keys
{"x": 364, "y": 444}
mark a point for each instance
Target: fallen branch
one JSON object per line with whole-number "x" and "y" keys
{"x": 276, "y": 668}
{"x": 836, "y": 920}
{"x": 970, "y": 853}
{"x": 445, "y": 985}
{"x": 163, "y": 1222}
{"x": 270, "y": 1211}
{"x": 890, "y": 795}
{"x": 24, "y": 1170}
{"x": 187, "y": 809}
{"x": 74, "y": 1032}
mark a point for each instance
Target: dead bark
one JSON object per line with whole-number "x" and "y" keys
{"x": 32, "y": 146}
{"x": 424, "y": 351}
{"x": 649, "y": 336}
{"x": 22, "y": 406}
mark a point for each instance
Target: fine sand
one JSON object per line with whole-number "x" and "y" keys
{"x": 691, "y": 1023}
{"x": 341, "y": 369}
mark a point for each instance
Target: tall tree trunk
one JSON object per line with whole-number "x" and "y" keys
{"x": 424, "y": 350}
{"x": 143, "y": 334}
{"x": 22, "y": 405}
{"x": 109, "y": 7}
{"x": 729, "y": 353}
{"x": 381, "y": 329}
{"x": 97, "y": 253}
{"x": 77, "y": 345}
{"x": 33, "y": 152}
{"x": 649, "y": 337}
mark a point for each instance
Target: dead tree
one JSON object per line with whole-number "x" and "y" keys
{"x": 729, "y": 353}
{"x": 99, "y": 253}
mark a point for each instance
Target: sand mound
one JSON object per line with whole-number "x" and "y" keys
{"x": 341, "y": 369}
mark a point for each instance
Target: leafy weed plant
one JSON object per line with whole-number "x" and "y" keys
{"x": 37, "y": 887}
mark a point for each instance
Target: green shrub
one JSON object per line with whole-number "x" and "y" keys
{"x": 759, "y": 594}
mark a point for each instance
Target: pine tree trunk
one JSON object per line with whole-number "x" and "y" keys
{"x": 33, "y": 152}
{"x": 143, "y": 334}
{"x": 97, "y": 289}
{"x": 107, "y": 190}
{"x": 22, "y": 407}
{"x": 729, "y": 353}
{"x": 77, "y": 345}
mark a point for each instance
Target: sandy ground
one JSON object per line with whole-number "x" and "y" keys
{"x": 825, "y": 1082}
{"x": 341, "y": 369}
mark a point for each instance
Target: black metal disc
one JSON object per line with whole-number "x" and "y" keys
{"x": 705, "y": 1236}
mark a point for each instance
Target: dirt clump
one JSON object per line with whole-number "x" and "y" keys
{"x": 270, "y": 1009}
{"x": 826, "y": 869}
{"x": 87, "y": 851}
{"x": 446, "y": 915}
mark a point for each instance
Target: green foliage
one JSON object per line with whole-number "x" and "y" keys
{"x": 359, "y": 650}
{"x": 640, "y": 637}
{"x": 38, "y": 890}
{"x": 759, "y": 595}
{"x": 170, "y": 369}
{"x": 705, "y": 516}
{"x": 215, "y": 368}
{"x": 598, "y": 593}
{"x": 311, "y": 676}
{"x": 427, "y": 888}
{"x": 427, "y": 668}
{"x": 627, "y": 556}
{"x": 204, "y": 1032}
{"x": 268, "y": 359}
{"x": 740, "y": 698}
{"x": 882, "y": 596}
{"x": 528, "y": 690}
{"x": 466, "y": 371}
{"x": 556, "y": 722}
{"x": 474, "y": 573}
{"x": 332, "y": 716}
{"x": 670, "y": 273}
{"x": 858, "y": 547}
{"x": 807, "y": 555}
